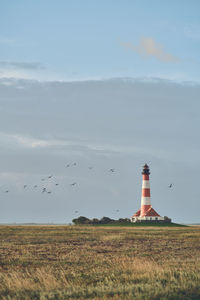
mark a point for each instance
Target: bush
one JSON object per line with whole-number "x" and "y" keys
{"x": 81, "y": 220}
{"x": 126, "y": 220}
{"x": 106, "y": 220}
{"x": 94, "y": 221}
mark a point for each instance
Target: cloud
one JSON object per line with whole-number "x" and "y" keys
{"x": 20, "y": 65}
{"x": 148, "y": 47}
{"x": 74, "y": 145}
{"x": 29, "y": 142}
{"x": 78, "y": 147}
{"x": 23, "y": 70}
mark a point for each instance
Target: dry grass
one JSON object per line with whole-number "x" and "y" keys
{"x": 69, "y": 262}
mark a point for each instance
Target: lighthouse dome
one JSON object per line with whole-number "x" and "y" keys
{"x": 145, "y": 170}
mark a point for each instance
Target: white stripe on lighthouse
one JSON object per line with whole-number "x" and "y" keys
{"x": 145, "y": 184}
{"x": 146, "y": 201}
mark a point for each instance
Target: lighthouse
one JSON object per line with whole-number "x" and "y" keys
{"x": 146, "y": 212}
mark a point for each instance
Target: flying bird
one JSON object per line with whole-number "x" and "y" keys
{"x": 6, "y": 191}
{"x": 76, "y": 211}
{"x": 67, "y": 166}
{"x": 50, "y": 176}
{"x": 170, "y": 186}
{"x": 56, "y": 184}
{"x": 25, "y": 186}
{"x": 49, "y": 192}
{"x": 74, "y": 183}
{"x": 74, "y": 164}
{"x": 112, "y": 170}
{"x": 44, "y": 190}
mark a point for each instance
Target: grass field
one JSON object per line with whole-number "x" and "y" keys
{"x": 71, "y": 262}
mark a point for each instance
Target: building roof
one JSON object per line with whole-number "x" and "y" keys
{"x": 149, "y": 213}
{"x": 137, "y": 214}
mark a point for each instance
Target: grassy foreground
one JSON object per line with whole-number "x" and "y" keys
{"x": 71, "y": 262}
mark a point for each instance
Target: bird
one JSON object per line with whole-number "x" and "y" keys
{"x": 170, "y": 186}
{"x": 56, "y": 184}
{"x": 74, "y": 164}
{"x": 25, "y": 186}
{"x": 74, "y": 183}
{"x": 117, "y": 210}
{"x": 43, "y": 179}
{"x": 76, "y": 211}
{"x": 49, "y": 192}
{"x": 90, "y": 168}
{"x": 112, "y": 170}
{"x": 44, "y": 190}
{"x": 50, "y": 176}
{"x": 67, "y": 166}
{"x": 6, "y": 191}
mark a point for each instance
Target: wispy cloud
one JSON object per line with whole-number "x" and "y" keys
{"x": 23, "y": 70}
{"x": 76, "y": 146}
{"x": 148, "y": 47}
{"x": 21, "y": 65}
{"x": 31, "y": 142}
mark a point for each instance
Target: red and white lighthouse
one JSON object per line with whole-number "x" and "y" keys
{"x": 146, "y": 212}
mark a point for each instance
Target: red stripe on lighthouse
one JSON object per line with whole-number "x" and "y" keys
{"x": 145, "y": 192}
{"x": 145, "y": 177}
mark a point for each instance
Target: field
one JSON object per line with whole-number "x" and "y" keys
{"x": 71, "y": 262}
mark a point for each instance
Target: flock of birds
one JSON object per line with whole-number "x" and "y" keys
{"x": 74, "y": 164}
{"x": 45, "y": 190}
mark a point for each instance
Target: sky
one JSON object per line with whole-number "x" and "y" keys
{"x": 103, "y": 84}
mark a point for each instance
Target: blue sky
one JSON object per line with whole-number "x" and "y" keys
{"x": 70, "y": 40}
{"x": 105, "y": 84}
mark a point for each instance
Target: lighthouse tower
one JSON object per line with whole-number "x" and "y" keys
{"x": 146, "y": 212}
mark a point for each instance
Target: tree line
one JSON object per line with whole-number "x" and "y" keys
{"x": 105, "y": 220}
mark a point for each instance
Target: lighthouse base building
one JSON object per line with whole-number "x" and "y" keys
{"x": 151, "y": 215}
{"x": 146, "y": 213}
